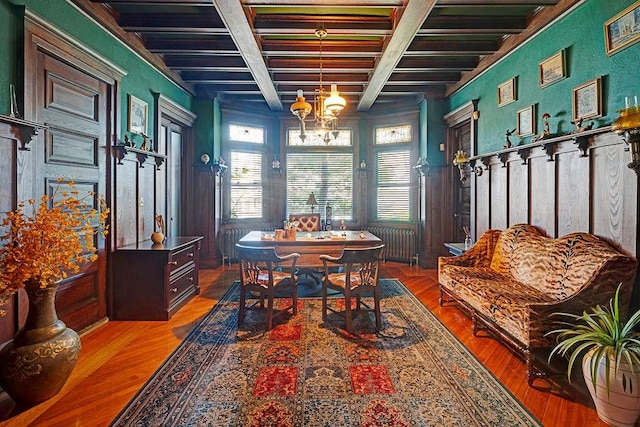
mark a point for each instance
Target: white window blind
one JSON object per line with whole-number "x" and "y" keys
{"x": 246, "y": 184}
{"x": 393, "y": 189}
{"x": 328, "y": 175}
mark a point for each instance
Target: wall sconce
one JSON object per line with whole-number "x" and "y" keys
{"x": 422, "y": 166}
{"x": 628, "y": 126}
{"x": 461, "y": 160}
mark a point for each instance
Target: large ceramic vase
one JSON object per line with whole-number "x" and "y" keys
{"x": 621, "y": 406}
{"x": 38, "y": 362}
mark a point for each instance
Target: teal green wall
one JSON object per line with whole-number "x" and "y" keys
{"x": 204, "y": 129}
{"x": 142, "y": 80}
{"x": 435, "y": 131}
{"x": 10, "y": 40}
{"x": 581, "y": 34}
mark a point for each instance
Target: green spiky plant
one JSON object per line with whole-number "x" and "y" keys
{"x": 600, "y": 330}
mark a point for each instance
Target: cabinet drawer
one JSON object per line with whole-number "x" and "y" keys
{"x": 181, "y": 258}
{"x": 180, "y": 285}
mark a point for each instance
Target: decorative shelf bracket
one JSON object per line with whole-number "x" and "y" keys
{"x": 582, "y": 142}
{"x": 524, "y": 154}
{"x": 120, "y": 151}
{"x": 550, "y": 149}
{"x": 22, "y": 130}
{"x": 503, "y": 156}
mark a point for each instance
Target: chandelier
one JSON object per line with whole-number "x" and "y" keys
{"x": 326, "y": 105}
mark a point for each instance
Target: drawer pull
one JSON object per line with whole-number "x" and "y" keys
{"x": 174, "y": 290}
{"x": 190, "y": 255}
{"x": 191, "y": 279}
{"x": 173, "y": 263}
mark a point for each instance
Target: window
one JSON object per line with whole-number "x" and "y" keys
{"x": 245, "y": 170}
{"x": 326, "y": 170}
{"x": 393, "y": 173}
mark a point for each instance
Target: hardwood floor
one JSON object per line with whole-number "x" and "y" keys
{"x": 118, "y": 357}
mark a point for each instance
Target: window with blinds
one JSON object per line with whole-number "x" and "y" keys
{"x": 329, "y": 175}
{"x": 245, "y": 170}
{"x": 393, "y": 173}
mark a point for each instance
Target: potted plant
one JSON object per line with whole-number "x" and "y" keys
{"x": 42, "y": 243}
{"x": 611, "y": 361}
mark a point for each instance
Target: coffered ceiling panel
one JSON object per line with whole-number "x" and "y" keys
{"x": 378, "y": 52}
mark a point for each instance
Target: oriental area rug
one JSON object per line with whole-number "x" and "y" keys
{"x": 308, "y": 372}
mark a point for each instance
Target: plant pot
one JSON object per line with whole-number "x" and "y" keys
{"x": 36, "y": 364}
{"x": 621, "y": 407}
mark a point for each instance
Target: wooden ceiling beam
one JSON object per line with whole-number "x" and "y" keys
{"x": 413, "y": 16}
{"x": 232, "y": 14}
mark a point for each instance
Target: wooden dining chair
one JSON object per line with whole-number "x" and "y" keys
{"x": 357, "y": 277}
{"x": 261, "y": 277}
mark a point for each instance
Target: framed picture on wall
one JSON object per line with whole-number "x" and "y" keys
{"x": 623, "y": 29}
{"x": 507, "y": 92}
{"x": 587, "y": 100}
{"x": 552, "y": 69}
{"x": 137, "y": 115}
{"x": 526, "y": 121}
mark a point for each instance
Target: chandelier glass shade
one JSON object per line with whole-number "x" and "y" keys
{"x": 327, "y": 105}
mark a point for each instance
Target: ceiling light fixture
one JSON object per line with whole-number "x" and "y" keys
{"x": 326, "y": 105}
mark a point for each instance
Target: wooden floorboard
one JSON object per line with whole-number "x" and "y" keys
{"x": 118, "y": 357}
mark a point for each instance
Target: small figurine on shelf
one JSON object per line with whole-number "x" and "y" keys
{"x": 579, "y": 128}
{"x": 363, "y": 164}
{"x": 507, "y": 141}
{"x": 545, "y": 132}
{"x": 221, "y": 161}
{"x": 146, "y": 142}
{"x": 276, "y": 163}
{"x": 343, "y": 225}
{"x": 128, "y": 142}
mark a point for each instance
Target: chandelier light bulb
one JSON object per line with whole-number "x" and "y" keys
{"x": 334, "y": 104}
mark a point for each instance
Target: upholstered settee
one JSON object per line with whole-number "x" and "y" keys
{"x": 512, "y": 281}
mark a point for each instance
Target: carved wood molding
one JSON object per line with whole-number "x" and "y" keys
{"x": 21, "y": 130}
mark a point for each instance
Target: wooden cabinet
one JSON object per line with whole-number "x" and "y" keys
{"x": 152, "y": 281}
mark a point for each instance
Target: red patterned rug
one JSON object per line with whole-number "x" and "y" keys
{"x": 306, "y": 372}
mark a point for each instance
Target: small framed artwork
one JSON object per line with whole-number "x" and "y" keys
{"x": 587, "y": 100}
{"x": 137, "y": 115}
{"x": 507, "y": 92}
{"x": 623, "y": 29}
{"x": 552, "y": 69}
{"x": 526, "y": 121}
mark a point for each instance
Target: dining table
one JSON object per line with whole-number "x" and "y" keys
{"x": 310, "y": 245}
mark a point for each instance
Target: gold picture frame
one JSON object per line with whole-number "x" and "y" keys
{"x": 507, "y": 92}
{"x": 137, "y": 115}
{"x": 526, "y": 121}
{"x": 552, "y": 69}
{"x": 622, "y": 30}
{"x": 587, "y": 100}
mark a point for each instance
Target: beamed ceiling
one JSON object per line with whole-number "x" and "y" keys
{"x": 379, "y": 52}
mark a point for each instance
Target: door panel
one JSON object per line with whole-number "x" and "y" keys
{"x": 73, "y": 106}
{"x": 462, "y": 205}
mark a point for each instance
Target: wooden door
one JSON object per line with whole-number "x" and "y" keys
{"x": 462, "y": 195}
{"x": 73, "y": 106}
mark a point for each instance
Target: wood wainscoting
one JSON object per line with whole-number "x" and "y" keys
{"x": 577, "y": 182}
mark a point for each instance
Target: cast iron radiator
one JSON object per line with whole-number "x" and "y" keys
{"x": 400, "y": 243}
{"x": 230, "y": 237}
